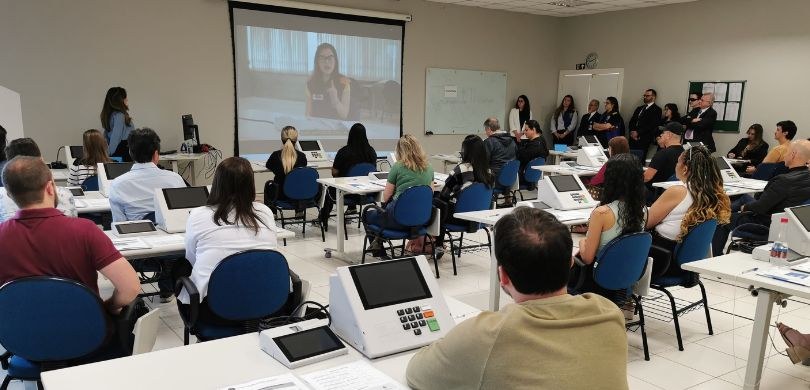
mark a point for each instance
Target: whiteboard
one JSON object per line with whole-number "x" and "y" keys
{"x": 458, "y": 101}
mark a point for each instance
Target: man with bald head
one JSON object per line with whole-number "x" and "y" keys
{"x": 786, "y": 190}
{"x": 700, "y": 122}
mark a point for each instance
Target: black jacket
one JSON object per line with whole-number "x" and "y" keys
{"x": 646, "y": 122}
{"x": 501, "y": 148}
{"x": 528, "y": 150}
{"x": 755, "y": 155}
{"x": 703, "y": 129}
{"x": 785, "y": 190}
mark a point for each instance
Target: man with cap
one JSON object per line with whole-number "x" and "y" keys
{"x": 662, "y": 165}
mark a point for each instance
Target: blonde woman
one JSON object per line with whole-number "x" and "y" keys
{"x": 411, "y": 169}
{"x": 95, "y": 151}
{"x": 281, "y": 162}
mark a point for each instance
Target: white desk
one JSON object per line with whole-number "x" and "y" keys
{"x": 555, "y": 156}
{"x": 739, "y": 268}
{"x": 190, "y": 158}
{"x": 261, "y": 167}
{"x": 214, "y": 364}
{"x": 490, "y": 217}
{"x": 60, "y": 176}
{"x": 165, "y": 244}
{"x": 92, "y": 202}
{"x": 730, "y": 189}
{"x": 346, "y": 185}
{"x": 447, "y": 160}
{"x": 577, "y": 170}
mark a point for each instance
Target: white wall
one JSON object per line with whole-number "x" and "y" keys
{"x": 766, "y": 43}
{"x": 174, "y": 57}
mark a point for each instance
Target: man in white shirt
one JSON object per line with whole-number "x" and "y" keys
{"x": 27, "y": 147}
{"x": 132, "y": 196}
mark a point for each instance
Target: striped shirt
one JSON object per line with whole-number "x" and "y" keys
{"x": 461, "y": 178}
{"x": 79, "y": 173}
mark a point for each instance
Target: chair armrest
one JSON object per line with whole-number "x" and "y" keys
{"x": 4, "y": 359}
{"x": 124, "y": 322}
{"x": 662, "y": 257}
{"x": 270, "y": 192}
{"x": 194, "y": 297}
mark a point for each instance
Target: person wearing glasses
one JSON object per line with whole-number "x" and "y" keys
{"x": 752, "y": 148}
{"x": 519, "y": 115}
{"x": 588, "y": 119}
{"x": 328, "y": 91}
{"x": 644, "y": 123}
{"x": 700, "y": 122}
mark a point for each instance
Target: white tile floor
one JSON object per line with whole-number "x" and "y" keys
{"x": 707, "y": 362}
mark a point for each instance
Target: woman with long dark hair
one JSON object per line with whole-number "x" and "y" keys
{"x": 699, "y": 196}
{"x": 328, "y": 91}
{"x": 230, "y": 223}
{"x": 532, "y": 147}
{"x": 357, "y": 151}
{"x": 519, "y": 115}
{"x": 752, "y": 148}
{"x": 564, "y": 122}
{"x": 611, "y": 123}
{"x": 3, "y": 135}
{"x": 95, "y": 152}
{"x": 116, "y": 122}
{"x": 671, "y": 113}
{"x": 474, "y": 168}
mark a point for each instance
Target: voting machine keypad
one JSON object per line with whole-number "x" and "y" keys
{"x": 317, "y": 155}
{"x": 416, "y": 318}
{"x": 579, "y": 197}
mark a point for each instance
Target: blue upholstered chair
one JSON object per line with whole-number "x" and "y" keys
{"x": 412, "y": 211}
{"x": 506, "y": 180}
{"x": 302, "y": 192}
{"x": 244, "y": 288}
{"x": 531, "y": 176}
{"x": 618, "y": 266}
{"x": 473, "y": 198}
{"x": 696, "y": 245}
{"x": 90, "y": 183}
{"x": 50, "y": 322}
{"x": 358, "y": 170}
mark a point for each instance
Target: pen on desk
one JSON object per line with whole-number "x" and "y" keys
{"x": 749, "y": 270}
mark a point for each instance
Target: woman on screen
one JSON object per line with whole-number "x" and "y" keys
{"x": 328, "y": 91}
{"x": 116, "y": 122}
{"x": 95, "y": 151}
{"x": 519, "y": 115}
{"x": 230, "y": 223}
{"x": 621, "y": 210}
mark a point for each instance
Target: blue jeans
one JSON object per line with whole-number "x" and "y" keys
{"x": 383, "y": 218}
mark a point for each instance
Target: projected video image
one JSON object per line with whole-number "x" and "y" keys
{"x": 320, "y": 82}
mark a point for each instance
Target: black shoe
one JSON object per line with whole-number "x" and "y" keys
{"x": 166, "y": 297}
{"x": 351, "y": 210}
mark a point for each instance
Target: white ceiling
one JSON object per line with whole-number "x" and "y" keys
{"x": 561, "y": 8}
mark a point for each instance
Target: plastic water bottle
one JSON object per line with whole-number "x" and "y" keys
{"x": 779, "y": 250}
{"x": 183, "y": 148}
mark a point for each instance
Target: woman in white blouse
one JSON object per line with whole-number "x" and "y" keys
{"x": 231, "y": 223}
{"x": 519, "y": 115}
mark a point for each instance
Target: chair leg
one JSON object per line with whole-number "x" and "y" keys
{"x": 460, "y": 243}
{"x": 185, "y": 335}
{"x": 401, "y": 249}
{"x": 643, "y": 330}
{"x": 489, "y": 241}
{"x": 6, "y": 382}
{"x": 39, "y": 385}
{"x": 303, "y": 224}
{"x": 675, "y": 318}
{"x": 706, "y": 307}
{"x": 365, "y": 240}
{"x": 452, "y": 253}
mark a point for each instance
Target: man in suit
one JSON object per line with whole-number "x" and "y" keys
{"x": 644, "y": 122}
{"x": 700, "y": 122}
{"x": 587, "y": 120}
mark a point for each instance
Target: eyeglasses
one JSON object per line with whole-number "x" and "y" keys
{"x": 692, "y": 99}
{"x": 646, "y": 95}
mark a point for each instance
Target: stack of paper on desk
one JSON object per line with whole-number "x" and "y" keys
{"x": 130, "y": 243}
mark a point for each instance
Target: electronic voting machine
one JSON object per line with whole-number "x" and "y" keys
{"x": 726, "y": 170}
{"x": 564, "y": 192}
{"x": 589, "y": 140}
{"x": 592, "y": 156}
{"x": 388, "y": 307}
{"x": 312, "y": 149}
{"x": 172, "y": 206}
{"x": 106, "y": 172}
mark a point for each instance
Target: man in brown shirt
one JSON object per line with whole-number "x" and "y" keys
{"x": 547, "y": 339}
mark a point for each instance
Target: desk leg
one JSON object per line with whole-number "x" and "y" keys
{"x": 339, "y": 252}
{"x": 759, "y": 338}
{"x": 175, "y": 167}
{"x": 494, "y": 283}
{"x": 193, "y": 169}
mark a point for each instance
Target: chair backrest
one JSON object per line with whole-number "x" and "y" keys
{"x": 362, "y": 169}
{"x": 47, "y": 318}
{"x": 766, "y": 171}
{"x": 474, "y": 198}
{"x": 532, "y": 175}
{"x": 301, "y": 184}
{"x": 249, "y": 285}
{"x": 414, "y": 206}
{"x": 508, "y": 174}
{"x": 697, "y": 243}
{"x": 145, "y": 331}
{"x": 621, "y": 262}
{"x": 90, "y": 183}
